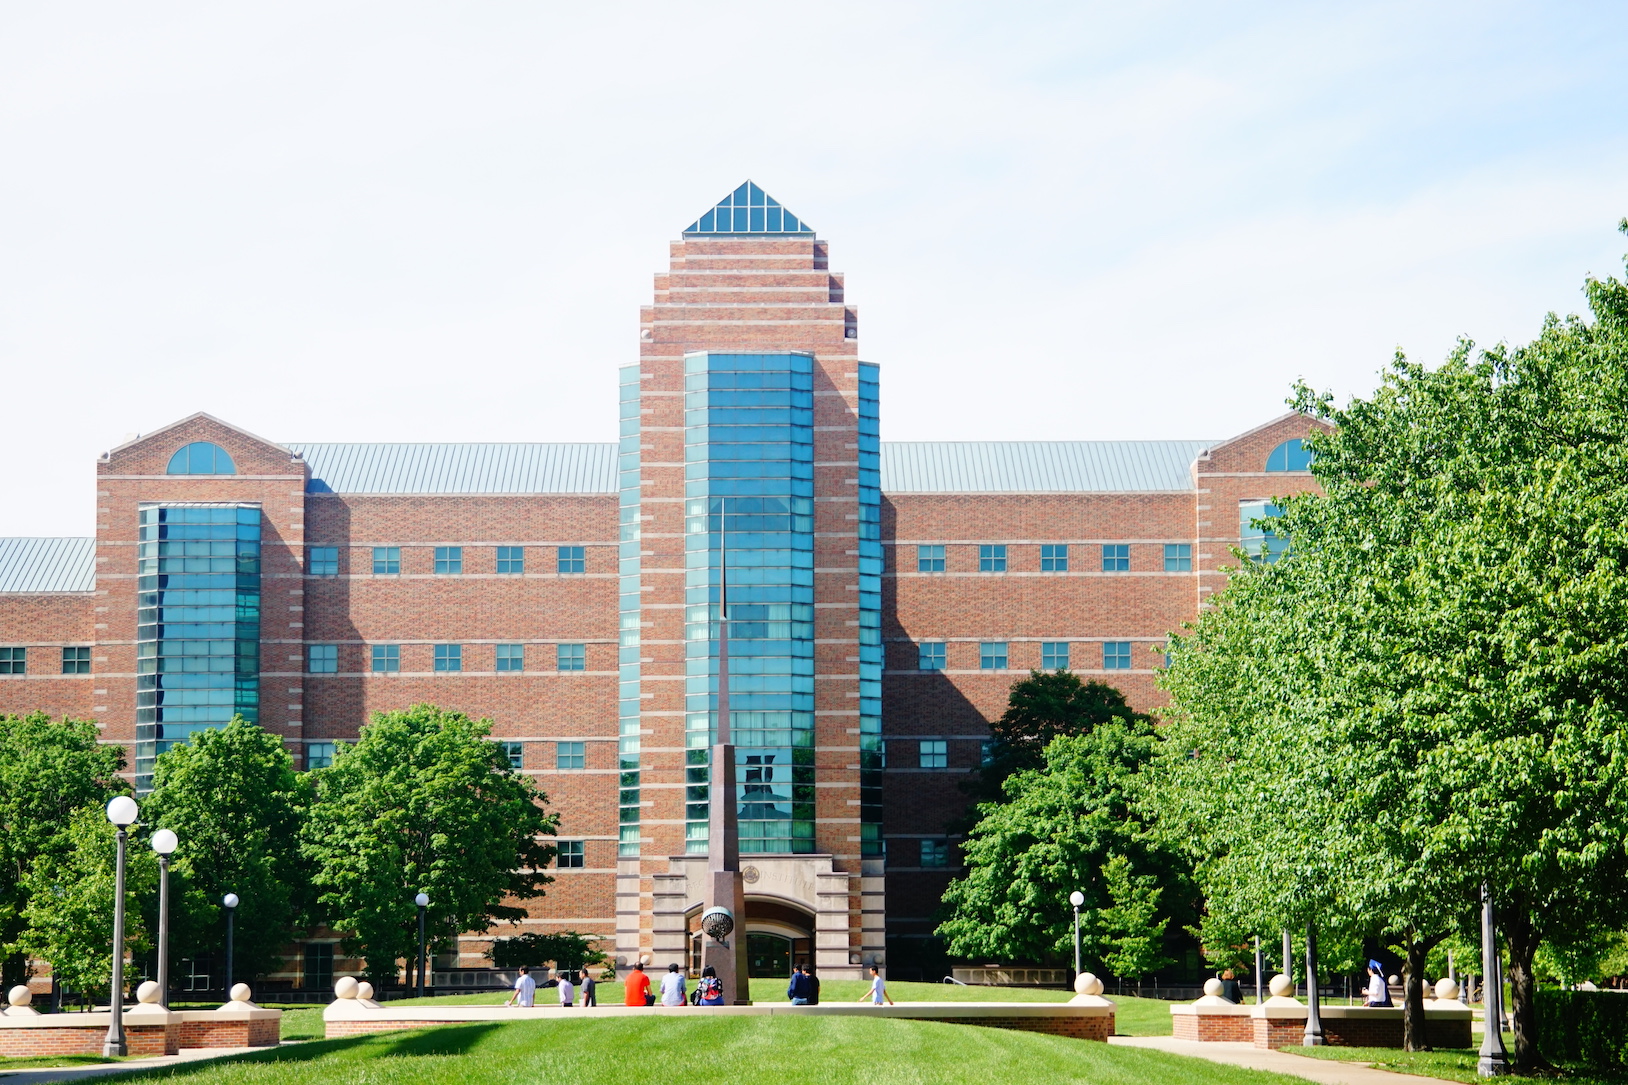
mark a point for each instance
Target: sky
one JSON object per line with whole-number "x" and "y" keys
{"x": 1076, "y": 221}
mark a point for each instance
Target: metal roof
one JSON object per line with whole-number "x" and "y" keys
{"x": 460, "y": 468}
{"x": 961, "y": 467}
{"x": 49, "y": 564}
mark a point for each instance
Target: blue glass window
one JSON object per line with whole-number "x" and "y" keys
{"x": 322, "y": 561}
{"x": 748, "y": 210}
{"x": 1116, "y": 655}
{"x": 929, "y": 559}
{"x": 449, "y": 657}
{"x": 1054, "y": 558}
{"x": 570, "y": 755}
{"x": 319, "y": 755}
{"x": 1054, "y": 655}
{"x": 1259, "y": 542}
{"x": 934, "y": 754}
{"x": 201, "y": 458}
{"x": 992, "y": 559}
{"x": 386, "y": 560}
{"x": 572, "y": 657}
{"x": 386, "y": 658}
{"x": 571, "y": 559}
{"x": 76, "y": 660}
{"x": 13, "y": 660}
{"x": 322, "y": 658}
{"x": 511, "y": 657}
{"x": 515, "y": 753}
{"x": 992, "y": 655}
{"x": 935, "y": 853}
{"x": 511, "y": 560}
{"x": 568, "y": 854}
{"x": 449, "y": 560}
{"x": 1116, "y": 557}
{"x": 1178, "y": 557}
{"x": 932, "y": 656}
{"x": 1290, "y": 456}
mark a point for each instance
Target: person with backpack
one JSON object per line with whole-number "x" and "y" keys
{"x": 709, "y": 991}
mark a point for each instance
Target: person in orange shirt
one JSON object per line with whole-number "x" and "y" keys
{"x": 637, "y": 987}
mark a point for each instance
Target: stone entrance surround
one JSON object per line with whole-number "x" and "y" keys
{"x": 149, "y": 1029}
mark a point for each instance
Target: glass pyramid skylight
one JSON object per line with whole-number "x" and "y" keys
{"x": 748, "y": 210}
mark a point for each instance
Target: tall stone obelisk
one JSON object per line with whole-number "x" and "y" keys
{"x": 724, "y": 888}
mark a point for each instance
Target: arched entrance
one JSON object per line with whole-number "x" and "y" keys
{"x": 779, "y": 937}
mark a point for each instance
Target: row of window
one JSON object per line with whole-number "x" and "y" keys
{"x": 1054, "y": 655}
{"x": 449, "y": 560}
{"x": 568, "y": 756}
{"x": 1054, "y": 558}
{"x": 15, "y": 660}
{"x": 386, "y": 658}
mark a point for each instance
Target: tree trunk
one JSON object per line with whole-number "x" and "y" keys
{"x": 1415, "y": 950}
{"x": 1521, "y": 937}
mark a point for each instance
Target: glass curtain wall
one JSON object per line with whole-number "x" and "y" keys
{"x": 628, "y": 614}
{"x": 749, "y": 479}
{"x": 870, "y": 614}
{"x": 197, "y": 624}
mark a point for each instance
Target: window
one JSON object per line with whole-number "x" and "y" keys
{"x": 992, "y": 559}
{"x": 1290, "y": 456}
{"x": 929, "y": 559}
{"x": 322, "y": 658}
{"x": 1054, "y": 558}
{"x": 449, "y": 657}
{"x": 511, "y": 657}
{"x": 511, "y": 560}
{"x": 932, "y": 656}
{"x": 386, "y": 658}
{"x": 322, "y": 561}
{"x": 319, "y": 966}
{"x": 568, "y": 854}
{"x": 1116, "y": 655}
{"x": 449, "y": 561}
{"x": 1116, "y": 557}
{"x": 13, "y": 660}
{"x": 319, "y": 755}
{"x": 200, "y": 458}
{"x": 570, "y": 755}
{"x": 76, "y": 661}
{"x": 986, "y": 752}
{"x": 1054, "y": 655}
{"x": 934, "y": 754}
{"x": 935, "y": 853}
{"x": 1260, "y": 543}
{"x": 992, "y": 655}
{"x": 571, "y": 560}
{"x": 516, "y": 753}
{"x": 386, "y": 560}
{"x": 572, "y": 657}
{"x": 1178, "y": 557}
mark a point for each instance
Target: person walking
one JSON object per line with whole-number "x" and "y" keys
{"x": 588, "y": 986}
{"x": 566, "y": 990}
{"x": 878, "y": 992}
{"x": 672, "y": 987}
{"x": 525, "y": 989}
{"x": 637, "y": 987}
{"x": 797, "y": 990}
{"x": 711, "y": 992}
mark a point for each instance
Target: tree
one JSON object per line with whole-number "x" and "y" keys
{"x": 1053, "y": 834}
{"x": 70, "y": 902}
{"x": 1132, "y": 931}
{"x": 232, "y": 798}
{"x": 568, "y": 950}
{"x": 423, "y": 802}
{"x": 49, "y": 769}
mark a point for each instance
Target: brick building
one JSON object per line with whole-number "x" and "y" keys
{"x": 883, "y": 597}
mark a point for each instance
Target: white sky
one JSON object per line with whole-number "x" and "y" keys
{"x": 404, "y": 221}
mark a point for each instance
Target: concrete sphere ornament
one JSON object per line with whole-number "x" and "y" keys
{"x": 1282, "y": 987}
{"x": 345, "y": 987}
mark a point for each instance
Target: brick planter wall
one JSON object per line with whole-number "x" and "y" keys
{"x": 1212, "y": 1027}
{"x": 259, "y": 1032}
{"x": 1277, "y": 1032}
{"x": 86, "y": 1039}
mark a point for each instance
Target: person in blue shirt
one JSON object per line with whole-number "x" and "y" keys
{"x": 800, "y": 990}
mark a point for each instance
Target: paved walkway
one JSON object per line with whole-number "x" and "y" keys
{"x": 1251, "y": 1057}
{"x": 78, "y": 1073}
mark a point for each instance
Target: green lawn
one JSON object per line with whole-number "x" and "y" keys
{"x": 31, "y": 1062}
{"x": 737, "y": 1050}
{"x": 1453, "y": 1064}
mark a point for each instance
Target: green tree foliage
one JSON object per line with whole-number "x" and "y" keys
{"x": 566, "y": 949}
{"x": 1132, "y": 929}
{"x": 232, "y": 798}
{"x": 70, "y": 892}
{"x": 1428, "y": 691}
{"x": 423, "y": 801}
{"x": 1057, "y": 829}
{"x": 48, "y": 770}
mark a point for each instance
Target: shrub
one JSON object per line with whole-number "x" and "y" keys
{"x": 1583, "y": 1028}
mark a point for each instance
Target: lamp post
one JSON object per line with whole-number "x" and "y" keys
{"x": 1314, "y": 1019}
{"x": 1260, "y": 968}
{"x": 1288, "y": 957}
{"x": 423, "y": 902}
{"x": 1493, "y": 1060}
{"x": 1076, "y": 898}
{"x": 122, "y": 813}
{"x": 231, "y": 902}
{"x": 164, "y": 843}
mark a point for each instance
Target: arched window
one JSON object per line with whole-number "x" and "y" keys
{"x": 1290, "y": 456}
{"x": 201, "y": 458}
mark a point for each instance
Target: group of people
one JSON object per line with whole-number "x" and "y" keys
{"x": 803, "y": 990}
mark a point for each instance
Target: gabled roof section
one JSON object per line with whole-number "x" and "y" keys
{"x": 194, "y": 416}
{"x": 748, "y": 210}
{"x": 965, "y": 467}
{"x": 47, "y": 564}
{"x": 460, "y": 468}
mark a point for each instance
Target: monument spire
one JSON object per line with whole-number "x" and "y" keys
{"x": 723, "y": 913}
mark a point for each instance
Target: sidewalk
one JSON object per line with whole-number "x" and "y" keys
{"x": 46, "y": 1074}
{"x": 1282, "y": 1062}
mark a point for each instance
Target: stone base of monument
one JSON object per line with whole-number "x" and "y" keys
{"x": 149, "y": 1029}
{"x": 1088, "y": 1016}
